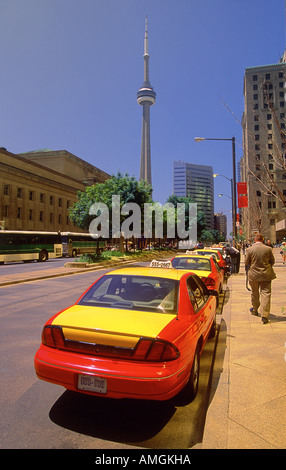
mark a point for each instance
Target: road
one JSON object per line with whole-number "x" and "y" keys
{"x": 39, "y": 415}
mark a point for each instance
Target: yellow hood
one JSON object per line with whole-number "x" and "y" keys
{"x": 110, "y": 326}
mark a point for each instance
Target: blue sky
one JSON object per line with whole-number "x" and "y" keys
{"x": 70, "y": 71}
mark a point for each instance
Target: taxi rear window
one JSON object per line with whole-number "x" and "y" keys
{"x": 133, "y": 292}
{"x": 192, "y": 263}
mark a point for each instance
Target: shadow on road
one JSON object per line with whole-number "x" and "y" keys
{"x": 125, "y": 421}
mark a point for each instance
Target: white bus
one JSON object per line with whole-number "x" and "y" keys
{"x": 18, "y": 245}
{"x": 75, "y": 244}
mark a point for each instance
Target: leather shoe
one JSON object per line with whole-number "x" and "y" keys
{"x": 253, "y": 312}
{"x": 265, "y": 320}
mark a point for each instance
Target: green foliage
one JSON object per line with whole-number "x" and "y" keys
{"x": 127, "y": 187}
{"x": 201, "y": 223}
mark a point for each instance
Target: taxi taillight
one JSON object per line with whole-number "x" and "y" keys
{"x": 149, "y": 349}
{"x": 52, "y": 336}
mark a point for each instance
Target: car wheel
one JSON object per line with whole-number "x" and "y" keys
{"x": 213, "y": 329}
{"x": 191, "y": 388}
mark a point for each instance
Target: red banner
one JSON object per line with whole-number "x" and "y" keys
{"x": 242, "y": 198}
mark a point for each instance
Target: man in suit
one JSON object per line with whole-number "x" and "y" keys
{"x": 260, "y": 259}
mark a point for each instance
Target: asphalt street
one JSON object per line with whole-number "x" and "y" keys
{"x": 39, "y": 415}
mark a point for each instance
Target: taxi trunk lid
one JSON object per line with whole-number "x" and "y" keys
{"x": 108, "y": 331}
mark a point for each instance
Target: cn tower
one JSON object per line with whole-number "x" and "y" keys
{"x": 146, "y": 96}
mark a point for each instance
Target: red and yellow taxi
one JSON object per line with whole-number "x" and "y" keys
{"x": 135, "y": 333}
{"x": 205, "y": 266}
{"x": 216, "y": 253}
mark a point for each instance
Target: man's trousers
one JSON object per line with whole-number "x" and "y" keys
{"x": 261, "y": 296}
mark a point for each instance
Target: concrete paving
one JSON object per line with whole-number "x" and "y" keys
{"x": 247, "y": 408}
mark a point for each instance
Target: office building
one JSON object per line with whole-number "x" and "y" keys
{"x": 220, "y": 224}
{"x": 196, "y": 181}
{"x": 263, "y": 165}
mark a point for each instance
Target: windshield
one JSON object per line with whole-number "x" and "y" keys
{"x": 208, "y": 253}
{"x": 133, "y": 292}
{"x": 192, "y": 263}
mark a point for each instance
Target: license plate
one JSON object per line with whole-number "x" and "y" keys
{"x": 92, "y": 383}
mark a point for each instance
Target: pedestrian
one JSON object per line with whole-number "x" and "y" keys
{"x": 235, "y": 258}
{"x": 283, "y": 251}
{"x": 260, "y": 259}
{"x": 269, "y": 244}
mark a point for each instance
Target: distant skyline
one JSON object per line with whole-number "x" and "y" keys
{"x": 71, "y": 70}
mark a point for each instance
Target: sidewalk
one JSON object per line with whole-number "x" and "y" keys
{"x": 247, "y": 407}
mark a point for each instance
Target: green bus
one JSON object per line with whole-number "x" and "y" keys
{"x": 18, "y": 245}
{"x": 75, "y": 244}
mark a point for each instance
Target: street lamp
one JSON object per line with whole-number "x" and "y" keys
{"x": 201, "y": 139}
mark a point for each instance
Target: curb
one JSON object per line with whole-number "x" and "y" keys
{"x": 94, "y": 267}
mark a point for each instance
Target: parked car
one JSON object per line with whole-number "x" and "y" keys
{"x": 216, "y": 253}
{"x": 205, "y": 266}
{"x": 135, "y": 333}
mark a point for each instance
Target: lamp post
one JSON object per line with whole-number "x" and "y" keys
{"x": 201, "y": 139}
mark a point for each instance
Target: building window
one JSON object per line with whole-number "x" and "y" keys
{"x": 5, "y": 211}
{"x": 42, "y": 198}
{"x": 51, "y": 217}
{"x": 258, "y": 193}
{"x": 41, "y": 217}
{"x": 256, "y": 128}
{"x": 51, "y": 200}
{"x": 60, "y": 202}
{"x": 270, "y": 166}
{"x": 30, "y": 214}
{"x": 31, "y": 196}
{"x": 255, "y": 96}
{"x": 267, "y": 76}
{"x": 19, "y": 192}
{"x": 254, "y": 78}
{"x": 19, "y": 213}
{"x": 281, "y": 104}
{"x": 6, "y": 190}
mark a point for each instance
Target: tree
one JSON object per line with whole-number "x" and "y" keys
{"x": 201, "y": 224}
{"x": 126, "y": 187}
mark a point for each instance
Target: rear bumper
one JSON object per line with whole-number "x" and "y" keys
{"x": 151, "y": 381}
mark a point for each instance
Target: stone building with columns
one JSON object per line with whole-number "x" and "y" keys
{"x": 38, "y": 188}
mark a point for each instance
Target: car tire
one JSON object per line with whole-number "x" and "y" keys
{"x": 213, "y": 328}
{"x": 191, "y": 388}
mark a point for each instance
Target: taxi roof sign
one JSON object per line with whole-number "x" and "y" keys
{"x": 160, "y": 264}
